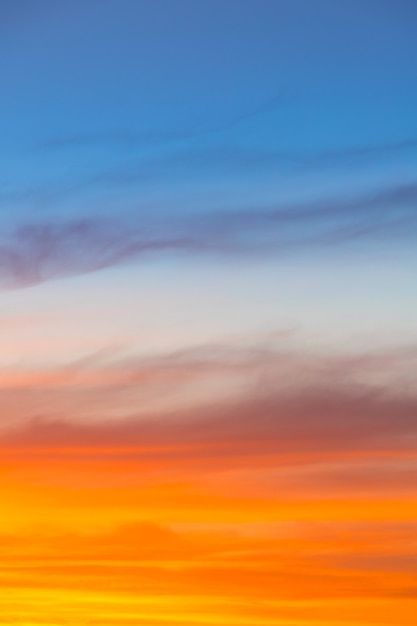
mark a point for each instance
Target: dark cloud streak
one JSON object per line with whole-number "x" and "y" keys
{"x": 36, "y": 252}
{"x": 131, "y": 138}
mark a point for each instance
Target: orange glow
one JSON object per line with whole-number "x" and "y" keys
{"x": 292, "y": 506}
{"x": 133, "y": 535}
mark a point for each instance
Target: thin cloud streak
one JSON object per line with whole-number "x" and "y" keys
{"x": 35, "y": 253}
{"x": 130, "y": 138}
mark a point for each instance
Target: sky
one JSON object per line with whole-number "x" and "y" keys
{"x": 208, "y": 260}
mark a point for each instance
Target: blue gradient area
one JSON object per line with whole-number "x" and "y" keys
{"x": 175, "y": 110}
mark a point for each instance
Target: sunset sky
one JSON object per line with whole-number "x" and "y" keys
{"x": 208, "y": 313}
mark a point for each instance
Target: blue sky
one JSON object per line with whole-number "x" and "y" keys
{"x": 278, "y": 136}
{"x": 173, "y": 106}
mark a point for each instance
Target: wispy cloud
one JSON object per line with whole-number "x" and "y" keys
{"x": 293, "y": 404}
{"x": 223, "y": 157}
{"x": 135, "y": 138}
{"x": 36, "y": 252}
{"x": 364, "y": 152}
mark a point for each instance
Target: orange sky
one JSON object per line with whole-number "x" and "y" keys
{"x": 250, "y": 512}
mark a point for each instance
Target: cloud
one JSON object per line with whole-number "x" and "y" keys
{"x": 186, "y": 162}
{"x": 322, "y": 222}
{"x": 220, "y": 158}
{"x": 364, "y": 152}
{"x": 311, "y": 421}
{"x": 292, "y": 406}
{"x": 36, "y": 252}
{"x": 133, "y": 138}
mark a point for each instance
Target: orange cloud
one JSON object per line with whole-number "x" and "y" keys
{"x": 291, "y": 503}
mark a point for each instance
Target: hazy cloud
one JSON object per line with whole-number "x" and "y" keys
{"x": 288, "y": 404}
